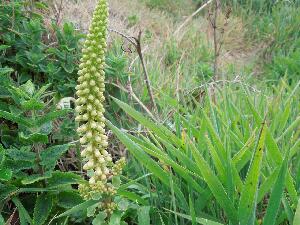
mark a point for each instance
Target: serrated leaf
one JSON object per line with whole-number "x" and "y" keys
{"x": 34, "y": 138}
{"x": 6, "y": 70}
{"x": 16, "y": 119}
{"x": 50, "y": 155}
{"x": 28, "y": 87}
{"x": 42, "y": 208}
{"x": 63, "y": 178}
{"x": 51, "y": 116}
{"x": 41, "y": 91}
{"x": 20, "y": 154}
{"x": 17, "y": 93}
{"x": 35, "y": 178}
{"x": 32, "y": 104}
{"x": 6, "y": 191}
{"x": 17, "y": 165}
{"x": 23, "y": 214}
{"x": 69, "y": 199}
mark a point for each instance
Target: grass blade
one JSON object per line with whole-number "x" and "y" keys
{"x": 297, "y": 215}
{"x": 248, "y": 200}
{"x": 198, "y": 220}
{"x": 215, "y": 186}
{"x": 275, "y": 198}
{"x": 147, "y": 161}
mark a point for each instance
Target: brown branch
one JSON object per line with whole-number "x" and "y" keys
{"x": 136, "y": 42}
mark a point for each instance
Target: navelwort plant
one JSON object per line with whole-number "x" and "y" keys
{"x": 89, "y": 108}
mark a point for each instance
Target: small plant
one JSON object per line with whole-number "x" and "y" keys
{"x": 37, "y": 52}
{"x": 28, "y": 159}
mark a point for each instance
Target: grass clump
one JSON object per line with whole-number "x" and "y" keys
{"x": 227, "y": 160}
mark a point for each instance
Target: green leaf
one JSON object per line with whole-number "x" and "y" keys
{"x": 81, "y": 207}
{"x": 248, "y": 200}
{"x": 274, "y": 152}
{"x": 115, "y": 218}
{"x": 63, "y": 178}
{"x": 33, "y": 138}
{"x": 68, "y": 66}
{"x": 28, "y": 87}
{"x": 6, "y": 190}
{"x": 4, "y": 47}
{"x": 51, "y": 116}
{"x": 131, "y": 196}
{"x": 90, "y": 211}
{"x": 18, "y": 93}
{"x": 5, "y": 70}
{"x": 18, "y": 165}
{"x": 144, "y": 215}
{"x": 116, "y": 181}
{"x": 192, "y": 211}
{"x": 297, "y": 215}
{"x": 2, "y": 155}
{"x": 41, "y": 91}
{"x": 42, "y": 209}
{"x": 32, "y": 104}
{"x": 199, "y": 220}
{"x": 35, "y": 178}
{"x": 215, "y": 186}
{"x": 69, "y": 199}
{"x": 23, "y": 214}
{"x": 5, "y": 174}
{"x": 20, "y": 154}
{"x": 99, "y": 219}
{"x": 2, "y": 222}
{"x": 277, "y": 192}
{"x": 147, "y": 161}
{"x": 16, "y": 119}
{"x": 50, "y": 155}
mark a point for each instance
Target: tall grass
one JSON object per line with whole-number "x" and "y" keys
{"x": 232, "y": 158}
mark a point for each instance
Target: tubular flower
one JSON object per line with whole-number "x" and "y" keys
{"x": 89, "y": 109}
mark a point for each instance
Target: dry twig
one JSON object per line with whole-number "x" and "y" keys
{"x": 136, "y": 42}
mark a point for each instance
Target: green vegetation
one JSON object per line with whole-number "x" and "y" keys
{"x": 217, "y": 143}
